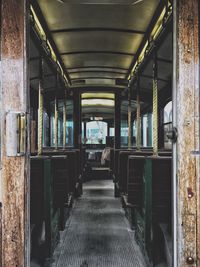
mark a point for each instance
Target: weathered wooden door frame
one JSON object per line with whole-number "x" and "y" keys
{"x": 186, "y": 175}
{"x": 15, "y": 168}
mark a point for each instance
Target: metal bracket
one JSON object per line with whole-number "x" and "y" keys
{"x": 16, "y": 128}
{"x": 172, "y": 134}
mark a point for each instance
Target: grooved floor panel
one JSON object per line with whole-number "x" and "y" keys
{"x": 97, "y": 234}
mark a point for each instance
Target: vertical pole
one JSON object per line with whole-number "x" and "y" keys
{"x": 129, "y": 119}
{"x": 77, "y": 119}
{"x": 40, "y": 109}
{"x": 186, "y": 119}
{"x": 117, "y": 120}
{"x": 56, "y": 121}
{"x": 174, "y": 145}
{"x": 138, "y": 116}
{"x": 85, "y": 132}
{"x": 155, "y": 105}
{"x": 14, "y": 97}
{"x": 64, "y": 120}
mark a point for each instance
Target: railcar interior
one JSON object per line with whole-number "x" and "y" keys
{"x": 99, "y": 133}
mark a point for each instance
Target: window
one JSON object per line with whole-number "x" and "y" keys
{"x": 167, "y": 124}
{"x": 134, "y": 133}
{"x": 147, "y": 130}
{"x": 96, "y": 132}
{"x": 124, "y": 123}
{"x": 111, "y": 131}
{"x": 45, "y": 129}
{"x": 144, "y": 130}
{"x": 69, "y": 124}
{"x": 60, "y": 128}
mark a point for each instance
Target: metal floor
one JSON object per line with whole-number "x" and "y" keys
{"x": 97, "y": 234}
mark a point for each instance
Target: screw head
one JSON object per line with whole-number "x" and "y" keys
{"x": 190, "y": 260}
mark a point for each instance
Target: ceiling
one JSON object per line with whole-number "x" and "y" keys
{"x": 98, "y": 42}
{"x": 97, "y": 39}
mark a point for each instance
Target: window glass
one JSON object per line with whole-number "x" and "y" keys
{"x": 60, "y": 129}
{"x": 168, "y": 112}
{"x": 112, "y": 131}
{"x": 69, "y": 124}
{"x": 134, "y": 133}
{"x": 45, "y": 129}
{"x": 96, "y": 132}
{"x": 124, "y": 122}
{"x": 144, "y": 130}
{"x": 167, "y": 125}
{"x": 52, "y": 130}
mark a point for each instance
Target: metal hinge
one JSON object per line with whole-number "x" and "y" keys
{"x": 172, "y": 134}
{"x": 16, "y": 130}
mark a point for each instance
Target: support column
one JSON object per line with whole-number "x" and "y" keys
{"x": 186, "y": 175}
{"x": 117, "y": 121}
{"x": 40, "y": 110}
{"x": 155, "y": 104}
{"x": 14, "y": 98}
{"x": 129, "y": 119}
{"x": 77, "y": 120}
{"x": 138, "y": 116}
{"x": 64, "y": 120}
{"x": 56, "y": 121}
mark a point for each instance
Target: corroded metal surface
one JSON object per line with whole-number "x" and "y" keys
{"x": 187, "y": 100}
{"x": 15, "y": 170}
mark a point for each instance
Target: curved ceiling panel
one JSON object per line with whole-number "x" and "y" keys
{"x": 100, "y": 68}
{"x": 98, "y": 33}
{"x": 120, "y": 61}
{"x": 97, "y": 41}
{"x": 99, "y": 74}
{"x": 62, "y": 15}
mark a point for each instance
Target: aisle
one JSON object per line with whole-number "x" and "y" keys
{"x": 97, "y": 233}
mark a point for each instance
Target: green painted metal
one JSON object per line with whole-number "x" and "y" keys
{"x": 143, "y": 214}
{"x": 51, "y": 216}
{"x": 148, "y": 206}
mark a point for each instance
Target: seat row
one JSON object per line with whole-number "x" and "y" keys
{"x": 55, "y": 180}
{"x": 144, "y": 183}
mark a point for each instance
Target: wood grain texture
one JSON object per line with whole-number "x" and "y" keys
{"x": 187, "y": 100}
{"x": 15, "y": 170}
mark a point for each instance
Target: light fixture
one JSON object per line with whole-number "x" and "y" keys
{"x": 96, "y": 118}
{"x": 98, "y": 102}
{"x": 98, "y": 95}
